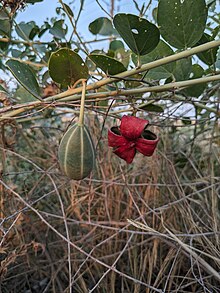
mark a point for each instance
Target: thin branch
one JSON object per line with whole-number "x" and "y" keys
{"x": 171, "y": 86}
{"x": 167, "y": 87}
{"x": 145, "y": 67}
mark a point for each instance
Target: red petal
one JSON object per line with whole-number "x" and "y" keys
{"x": 126, "y": 152}
{"x": 123, "y": 148}
{"x": 116, "y": 140}
{"x": 146, "y": 146}
{"x": 131, "y": 127}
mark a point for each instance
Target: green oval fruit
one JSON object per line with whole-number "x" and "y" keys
{"x": 76, "y": 152}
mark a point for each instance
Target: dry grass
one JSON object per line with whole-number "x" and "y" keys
{"x": 56, "y": 233}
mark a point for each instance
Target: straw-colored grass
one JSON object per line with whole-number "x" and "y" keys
{"x": 152, "y": 226}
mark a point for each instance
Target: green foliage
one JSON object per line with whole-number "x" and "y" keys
{"x": 60, "y": 233}
{"x": 182, "y": 23}
{"x": 217, "y": 63}
{"x": 23, "y": 96}
{"x": 102, "y": 26}
{"x": 151, "y": 108}
{"x": 5, "y": 27}
{"x": 208, "y": 57}
{"x": 183, "y": 69}
{"x": 162, "y": 50}
{"x": 57, "y": 30}
{"x": 67, "y": 67}
{"x": 26, "y": 31}
{"x": 68, "y": 9}
{"x": 115, "y": 45}
{"x": 107, "y": 64}
{"x": 25, "y": 75}
{"x": 34, "y": 1}
{"x": 138, "y": 33}
{"x": 196, "y": 90}
{"x": 2, "y": 89}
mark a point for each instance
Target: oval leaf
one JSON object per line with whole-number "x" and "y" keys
{"x": 25, "y": 76}
{"x": 2, "y": 89}
{"x": 123, "y": 56}
{"x": 115, "y": 45}
{"x": 152, "y": 108}
{"x": 196, "y": 90}
{"x": 33, "y": 1}
{"x": 23, "y": 96}
{"x": 68, "y": 9}
{"x": 24, "y": 29}
{"x": 4, "y": 15}
{"x": 57, "y": 30}
{"x": 182, "y": 22}
{"x": 183, "y": 69}
{"x": 66, "y": 67}
{"x": 161, "y": 72}
{"x": 209, "y": 56}
{"x": 140, "y": 35}
{"x": 217, "y": 63}
{"x": 186, "y": 120}
{"x": 5, "y": 27}
{"x": 102, "y": 26}
{"x": 107, "y": 64}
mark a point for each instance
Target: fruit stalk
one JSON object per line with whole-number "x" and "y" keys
{"x": 82, "y": 105}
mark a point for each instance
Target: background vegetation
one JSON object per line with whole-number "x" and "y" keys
{"x": 151, "y": 226}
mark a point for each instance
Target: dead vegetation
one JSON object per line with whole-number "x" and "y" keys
{"x": 152, "y": 226}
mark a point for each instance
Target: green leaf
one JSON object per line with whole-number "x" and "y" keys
{"x": 34, "y": 32}
{"x": 2, "y": 89}
{"x": 209, "y": 56}
{"x": 25, "y": 76}
{"x": 41, "y": 48}
{"x": 57, "y": 30}
{"x": 161, "y": 72}
{"x": 23, "y": 96}
{"x": 211, "y": 4}
{"x": 68, "y": 9}
{"x": 123, "y": 56}
{"x": 66, "y": 67}
{"x": 110, "y": 53}
{"x": 151, "y": 108}
{"x": 217, "y": 63}
{"x": 115, "y": 45}
{"x": 16, "y": 53}
{"x": 195, "y": 90}
{"x": 154, "y": 13}
{"x": 117, "y": 51}
{"x": 182, "y": 22}
{"x": 46, "y": 26}
{"x": 107, "y": 64}
{"x": 102, "y": 26}
{"x": 186, "y": 120}
{"x": 3, "y": 15}
{"x": 140, "y": 35}
{"x": 24, "y": 29}
{"x": 5, "y": 27}
{"x": 134, "y": 82}
{"x": 3, "y": 47}
{"x": 33, "y": 1}
{"x": 183, "y": 69}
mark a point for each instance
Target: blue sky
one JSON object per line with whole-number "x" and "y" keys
{"x": 39, "y": 12}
